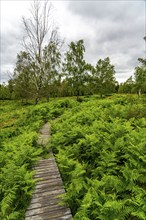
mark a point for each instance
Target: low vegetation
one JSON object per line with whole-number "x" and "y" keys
{"x": 99, "y": 144}
{"x": 100, "y": 147}
{"x": 19, "y": 151}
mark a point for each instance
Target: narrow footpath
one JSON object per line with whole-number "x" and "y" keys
{"x": 45, "y": 202}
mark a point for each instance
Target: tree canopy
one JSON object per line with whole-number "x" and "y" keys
{"x": 140, "y": 76}
{"x": 75, "y": 67}
{"x": 104, "y": 77}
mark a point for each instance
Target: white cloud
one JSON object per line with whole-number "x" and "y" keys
{"x": 11, "y": 34}
{"x": 109, "y": 28}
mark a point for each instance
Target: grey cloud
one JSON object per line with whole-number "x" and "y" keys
{"x": 6, "y": 73}
{"x": 114, "y": 10}
{"x": 10, "y": 46}
{"x": 110, "y": 20}
{"x": 121, "y": 39}
{"x": 123, "y": 75}
{"x": 109, "y": 28}
{"x": 10, "y": 41}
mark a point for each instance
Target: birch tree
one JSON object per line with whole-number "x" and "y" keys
{"x": 104, "y": 77}
{"x": 75, "y": 67}
{"x": 140, "y": 76}
{"x": 39, "y": 31}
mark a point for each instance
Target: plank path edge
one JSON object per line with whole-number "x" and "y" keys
{"x": 45, "y": 201}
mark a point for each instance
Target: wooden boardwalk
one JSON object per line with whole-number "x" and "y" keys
{"x": 45, "y": 203}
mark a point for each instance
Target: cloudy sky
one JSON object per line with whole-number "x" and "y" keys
{"x": 109, "y": 28}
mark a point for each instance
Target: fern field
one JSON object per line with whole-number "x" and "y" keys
{"x": 19, "y": 152}
{"x": 100, "y": 147}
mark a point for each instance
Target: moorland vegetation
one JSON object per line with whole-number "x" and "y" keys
{"x": 97, "y": 136}
{"x": 100, "y": 148}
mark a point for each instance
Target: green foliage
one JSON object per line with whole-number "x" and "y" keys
{"x": 19, "y": 151}
{"x": 103, "y": 77}
{"x": 4, "y": 92}
{"x": 128, "y": 86}
{"x": 100, "y": 147}
{"x": 33, "y": 76}
{"x": 140, "y": 76}
{"x": 24, "y": 88}
{"x": 75, "y": 68}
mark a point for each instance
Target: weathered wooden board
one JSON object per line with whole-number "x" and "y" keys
{"x": 45, "y": 203}
{"x": 46, "y": 199}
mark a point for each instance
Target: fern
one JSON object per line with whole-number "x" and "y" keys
{"x": 103, "y": 161}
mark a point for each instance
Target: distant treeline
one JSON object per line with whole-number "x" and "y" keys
{"x": 44, "y": 70}
{"x": 71, "y": 77}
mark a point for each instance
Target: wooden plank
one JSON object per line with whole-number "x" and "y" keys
{"x": 46, "y": 199}
{"x": 51, "y": 215}
{"x": 54, "y": 192}
{"x": 52, "y": 175}
{"x": 45, "y": 167}
{"x": 49, "y": 183}
{"x": 48, "y": 188}
{"x": 46, "y": 160}
{"x": 43, "y": 203}
{"x": 48, "y": 177}
{"x": 47, "y": 173}
{"x": 50, "y": 170}
{"x": 50, "y": 180}
{"x": 64, "y": 217}
{"x": 49, "y": 208}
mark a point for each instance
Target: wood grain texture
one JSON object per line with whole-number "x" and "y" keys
{"x": 46, "y": 199}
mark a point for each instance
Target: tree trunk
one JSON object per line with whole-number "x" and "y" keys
{"x": 47, "y": 98}
{"x": 78, "y": 93}
{"x": 139, "y": 92}
{"x": 36, "y": 100}
{"x": 37, "y": 96}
